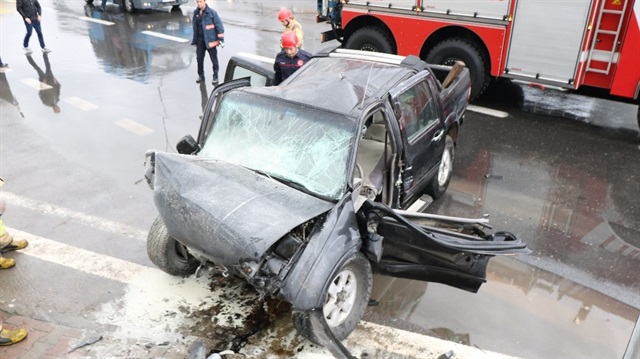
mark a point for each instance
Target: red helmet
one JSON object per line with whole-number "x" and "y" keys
{"x": 289, "y": 39}
{"x": 284, "y": 14}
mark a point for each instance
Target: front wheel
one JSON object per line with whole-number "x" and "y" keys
{"x": 346, "y": 296}
{"x": 168, "y": 254}
{"x": 370, "y": 38}
{"x": 439, "y": 183}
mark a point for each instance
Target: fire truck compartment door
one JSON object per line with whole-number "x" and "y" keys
{"x": 479, "y": 9}
{"x": 546, "y": 40}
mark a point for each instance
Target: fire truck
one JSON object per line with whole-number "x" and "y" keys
{"x": 587, "y": 46}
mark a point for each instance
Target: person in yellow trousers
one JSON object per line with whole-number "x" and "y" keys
{"x": 7, "y": 243}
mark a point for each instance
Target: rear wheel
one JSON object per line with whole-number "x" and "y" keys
{"x": 439, "y": 183}
{"x": 346, "y": 296}
{"x": 168, "y": 254}
{"x": 175, "y": 8}
{"x": 449, "y": 51}
{"x": 370, "y": 38}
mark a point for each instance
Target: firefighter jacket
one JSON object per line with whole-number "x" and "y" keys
{"x": 286, "y": 66}
{"x": 212, "y": 27}
{"x": 295, "y": 26}
{"x": 29, "y": 9}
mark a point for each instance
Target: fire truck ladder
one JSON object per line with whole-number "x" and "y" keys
{"x": 616, "y": 34}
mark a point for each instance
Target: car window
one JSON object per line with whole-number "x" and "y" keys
{"x": 417, "y": 109}
{"x": 257, "y": 80}
{"x": 287, "y": 141}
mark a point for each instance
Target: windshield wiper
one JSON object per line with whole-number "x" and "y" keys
{"x": 292, "y": 183}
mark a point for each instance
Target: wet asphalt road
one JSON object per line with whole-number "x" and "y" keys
{"x": 568, "y": 185}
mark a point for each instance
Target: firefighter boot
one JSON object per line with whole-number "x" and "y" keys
{"x": 6, "y": 263}
{"x": 7, "y": 243}
{"x": 6, "y": 240}
{"x": 8, "y": 337}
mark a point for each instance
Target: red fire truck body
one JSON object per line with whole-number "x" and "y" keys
{"x": 585, "y": 45}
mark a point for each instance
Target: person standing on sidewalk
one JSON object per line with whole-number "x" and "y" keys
{"x": 291, "y": 24}
{"x": 7, "y": 243}
{"x": 31, "y": 13}
{"x": 208, "y": 34}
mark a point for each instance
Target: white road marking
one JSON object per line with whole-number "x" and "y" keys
{"x": 4, "y": 70}
{"x": 416, "y": 206}
{"x": 31, "y": 82}
{"x": 488, "y": 111}
{"x": 134, "y": 127}
{"x": 86, "y": 219}
{"x": 80, "y": 259}
{"x": 97, "y": 21}
{"x": 80, "y": 103}
{"x": 164, "y": 36}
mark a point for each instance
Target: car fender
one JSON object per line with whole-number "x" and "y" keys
{"x": 336, "y": 241}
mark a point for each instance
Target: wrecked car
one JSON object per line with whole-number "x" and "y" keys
{"x": 302, "y": 189}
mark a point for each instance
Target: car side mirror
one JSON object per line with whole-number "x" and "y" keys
{"x": 187, "y": 145}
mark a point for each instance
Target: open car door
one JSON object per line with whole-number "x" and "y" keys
{"x": 258, "y": 68}
{"x": 448, "y": 250}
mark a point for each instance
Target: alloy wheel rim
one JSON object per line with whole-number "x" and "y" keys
{"x": 341, "y": 298}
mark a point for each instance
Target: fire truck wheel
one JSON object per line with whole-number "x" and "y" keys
{"x": 449, "y": 51}
{"x": 370, "y": 38}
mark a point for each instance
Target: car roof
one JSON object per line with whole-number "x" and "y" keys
{"x": 343, "y": 83}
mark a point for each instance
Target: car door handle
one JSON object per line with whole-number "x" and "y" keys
{"x": 437, "y": 136}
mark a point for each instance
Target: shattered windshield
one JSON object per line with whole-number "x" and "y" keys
{"x": 298, "y": 145}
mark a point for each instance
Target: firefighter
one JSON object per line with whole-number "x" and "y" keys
{"x": 291, "y": 58}
{"x": 7, "y": 243}
{"x": 208, "y": 35}
{"x": 291, "y": 24}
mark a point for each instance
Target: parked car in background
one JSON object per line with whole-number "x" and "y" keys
{"x": 132, "y": 6}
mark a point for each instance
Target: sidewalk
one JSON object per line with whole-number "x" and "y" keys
{"x": 48, "y": 341}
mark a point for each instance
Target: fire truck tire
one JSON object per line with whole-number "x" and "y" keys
{"x": 449, "y": 51}
{"x": 370, "y": 38}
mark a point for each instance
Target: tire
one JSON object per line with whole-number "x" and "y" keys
{"x": 346, "y": 297}
{"x": 370, "y": 38}
{"x": 127, "y": 5}
{"x": 439, "y": 183}
{"x": 167, "y": 253}
{"x": 175, "y": 8}
{"x": 89, "y": 1}
{"x": 449, "y": 51}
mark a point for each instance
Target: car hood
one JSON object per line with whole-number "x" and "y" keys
{"x": 228, "y": 212}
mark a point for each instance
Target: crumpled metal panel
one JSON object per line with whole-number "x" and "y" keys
{"x": 228, "y": 212}
{"x": 338, "y": 84}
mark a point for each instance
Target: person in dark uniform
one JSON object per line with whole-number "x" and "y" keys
{"x": 290, "y": 59}
{"x": 208, "y": 34}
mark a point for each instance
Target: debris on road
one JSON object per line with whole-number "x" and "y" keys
{"x": 87, "y": 340}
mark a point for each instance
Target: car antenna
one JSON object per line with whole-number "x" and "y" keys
{"x": 366, "y": 86}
